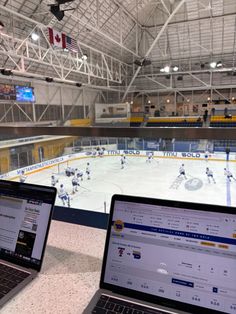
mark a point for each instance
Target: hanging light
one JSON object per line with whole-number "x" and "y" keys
{"x": 213, "y": 64}
{"x": 34, "y": 36}
{"x": 175, "y": 68}
{"x": 167, "y": 69}
{"x": 219, "y": 64}
{"x": 84, "y": 57}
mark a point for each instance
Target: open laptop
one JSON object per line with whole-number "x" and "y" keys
{"x": 25, "y": 216}
{"x": 167, "y": 257}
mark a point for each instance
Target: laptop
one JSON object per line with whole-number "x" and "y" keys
{"x": 167, "y": 257}
{"x": 25, "y": 216}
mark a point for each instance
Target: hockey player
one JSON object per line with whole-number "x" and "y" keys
{"x": 80, "y": 174}
{"x": 23, "y": 177}
{"x": 54, "y": 180}
{"x": 68, "y": 171}
{"x": 206, "y": 156}
{"x": 100, "y": 153}
{"x": 64, "y": 196}
{"x": 182, "y": 172}
{"x": 229, "y": 175}
{"x": 209, "y": 174}
{"x": 149, "y": 157}
{"x": 75, "y": 184}
{"x": 88, "y": 171}
{"x": 122, "y": 161}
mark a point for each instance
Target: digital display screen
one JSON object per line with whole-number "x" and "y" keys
{"x": 176, "y": 253}
{"x": 24, "y": 94}
{"x": 7, "y": 92}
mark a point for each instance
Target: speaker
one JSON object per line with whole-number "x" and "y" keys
{"x": 49, "y": 79}
{"x": 55, "y": 10}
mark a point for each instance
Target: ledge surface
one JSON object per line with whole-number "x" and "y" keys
{"x": 70, "y": 273}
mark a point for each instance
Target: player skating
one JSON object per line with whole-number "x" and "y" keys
{"x": 68, "y": 171}
{"x": 206, "y": 156}
{"x": 210, "y": 176}
{"x": 75, "y": 184}
{"x": 80, "y": 174}
{"x": 182, "y": 172}
{"x": 23, "y": 177}
{"x": 54, "y": 180}
{"x": 88, "y": 171}
{"x": 149, "y": 157}
{"x": 122, "y": 161}
{"x": 229, "y": 175}
{"x": 64, "y": 196}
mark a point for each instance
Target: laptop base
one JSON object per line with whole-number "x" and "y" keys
{"x": 105, "y": 301}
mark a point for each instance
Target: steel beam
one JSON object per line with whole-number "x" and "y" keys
{"x": 153, "y": 45}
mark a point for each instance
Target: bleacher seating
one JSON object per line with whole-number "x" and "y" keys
{"x": 174, "y": 122}
{"x": 222, "y": 122}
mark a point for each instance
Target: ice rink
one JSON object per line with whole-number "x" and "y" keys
{"x": 158, "y": 179}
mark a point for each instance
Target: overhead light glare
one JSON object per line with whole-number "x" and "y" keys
{"x": 175, "y": 68}
{"x": 84, "y": 57}
{"x": 162, "y": 70}
{"x": 34, "y": 36}
{"x": 213, "y": 65}
{"x": 219, "y": 64}
{"x": 166, "y": 69}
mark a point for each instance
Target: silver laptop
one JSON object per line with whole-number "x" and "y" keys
{"x": 25, "y": 216}
{"x": 167, "y": 257}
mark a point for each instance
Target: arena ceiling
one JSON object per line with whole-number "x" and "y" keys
{"x": 128, "y": 43}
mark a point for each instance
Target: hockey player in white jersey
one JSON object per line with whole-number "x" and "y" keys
{"x": 64, "y": 196}
{"x": 54, "y": 180}
{"x": 149, "y": 157}
{"x": 182, "y": 172}
{"x": 75, "y": 184}
{"x": 22, "y": 177}
{"x": 210, "y": 176}
{"x": 80, "y": 174}
{"x": 229, "y": 174}
{"x": 88, "y": 171}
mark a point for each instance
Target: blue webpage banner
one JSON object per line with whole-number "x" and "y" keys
{"x": 179, "y": 233}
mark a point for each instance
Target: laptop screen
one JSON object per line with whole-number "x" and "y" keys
{"x": 176, "y": 253}
{"x": 25, "y": 214}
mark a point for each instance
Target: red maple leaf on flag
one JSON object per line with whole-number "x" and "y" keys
{"x": 57, "y": 37}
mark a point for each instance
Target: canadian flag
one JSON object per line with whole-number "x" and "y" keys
{"x": 57, "y": 39}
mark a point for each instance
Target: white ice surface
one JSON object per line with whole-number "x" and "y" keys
{"x": 143, "y": 179}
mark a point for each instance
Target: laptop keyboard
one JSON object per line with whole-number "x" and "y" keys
{"x": 10, "y": 278}
{"x": 111, "y": 305}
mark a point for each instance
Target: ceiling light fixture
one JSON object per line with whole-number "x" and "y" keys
{"x": 34, "y": 36}
{"x": 162, "y": 70}
{"x": 84, "y": 57}
{"x": 175, "y": 68}
{"x": 167, "y": 69}
{"x": 219, "y": 64}
{"x": 213, "y": 64}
